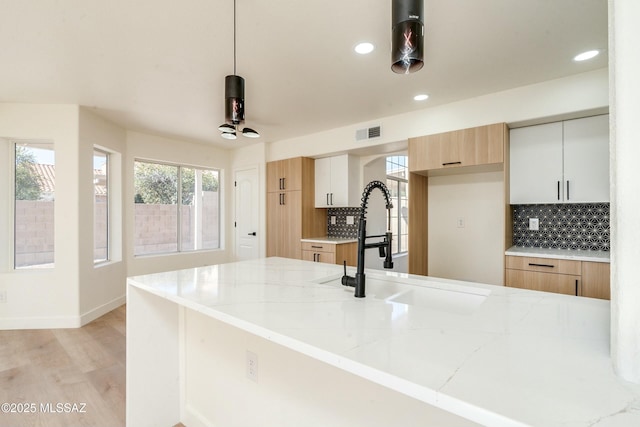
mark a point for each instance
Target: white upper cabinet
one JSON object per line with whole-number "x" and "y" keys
{"x": 562, "y": 162}
{"x": 337, "y": 182}
{"x": 586, "y": 159}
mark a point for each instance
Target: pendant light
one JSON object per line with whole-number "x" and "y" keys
{"x": 234, "y": 98}
{"x": 407, "y": 36}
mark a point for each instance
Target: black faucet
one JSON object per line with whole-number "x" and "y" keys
{"x": 384, "y": 247}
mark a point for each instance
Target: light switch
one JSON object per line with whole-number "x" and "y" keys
{"x": 534, "y": 224}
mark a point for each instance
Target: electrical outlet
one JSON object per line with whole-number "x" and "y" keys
{"x": 3, "y": 296}
{"x": 460, "y": 222}
{"x": 252, "y": 366}
{"x": 333, "y": 220}
{"x": 350, "y": 220}
{"x": 534, "y": 224}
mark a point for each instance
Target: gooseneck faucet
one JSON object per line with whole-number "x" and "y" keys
{"x": 384, "y": 247}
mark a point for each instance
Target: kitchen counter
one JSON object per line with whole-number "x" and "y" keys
{"x": 330, "y": 240}
{"x": 586, "y": 255}
{"x": 494, "y": 355}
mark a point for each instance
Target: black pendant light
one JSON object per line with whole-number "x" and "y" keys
{"x": 234, "y": 98}
{"x": 407, "y": 36}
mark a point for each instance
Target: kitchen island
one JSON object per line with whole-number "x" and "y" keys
{"x": 279, "y": 342}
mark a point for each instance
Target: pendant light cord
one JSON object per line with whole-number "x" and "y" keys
{"x": 234, "y": 37}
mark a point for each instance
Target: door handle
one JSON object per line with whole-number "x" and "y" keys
{"x": 252, "y": 234}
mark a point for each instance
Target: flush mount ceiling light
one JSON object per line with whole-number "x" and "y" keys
{"x": 364, "y": 48}
{"x": 586, "y": 55}
{"x": 407, "y": 36}
{"x": 234, "y": 98}
{"x": 421, "y": 97}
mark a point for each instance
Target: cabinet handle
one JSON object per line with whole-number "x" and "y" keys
{"x": 576, "y": 287}
{"x": 284, "y": 202}
{"x": 280, "y": 184}
{"x": 316, "y": 247}
{"x": 314, "y": 257}
{"x": 284, "y": 184}
{"x": 331, "y": 199}
{"x": 567, "y": 189}
{"x": 558, "y": 190}
{"x": 317, "y": 257}
{"x": 541, "y": 265}
{"x": 451, "y": 163}
{"x": 327, "y": 199}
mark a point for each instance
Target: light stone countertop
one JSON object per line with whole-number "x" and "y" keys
{"x": 574, "y": 255}
{"x": 495, "y": 355}
{"x": 329, "y": 240}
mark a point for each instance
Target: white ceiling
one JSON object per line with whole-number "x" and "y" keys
{"x": 159, "y": 65}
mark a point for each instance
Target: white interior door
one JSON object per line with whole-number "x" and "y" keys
{"x": 247, "y": 214}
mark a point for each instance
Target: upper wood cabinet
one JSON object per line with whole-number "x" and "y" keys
{"x": 284, "y": 175}
{"x": 336, "y": 182}
{"x": 561, "y": 162}
{"x": 481, "y": 145}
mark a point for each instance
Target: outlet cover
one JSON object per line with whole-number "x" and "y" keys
{"x": 252, "y": 366}
{"x": 333, "y": 220}
{"x": 460, "y": 222}
{"x": 534, "y": 224}
{"x": 350, "y": 220}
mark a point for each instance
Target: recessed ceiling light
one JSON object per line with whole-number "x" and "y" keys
{"x": 364, "y": 48}
{"x": 421, "y": 97}
{"x": 586, "y": 55}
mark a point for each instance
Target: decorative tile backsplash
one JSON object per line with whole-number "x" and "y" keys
{"x": 341, "y": 228}
{"x": 563, "y": 226}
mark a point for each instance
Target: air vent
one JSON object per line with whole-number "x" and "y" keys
{"x": 373, "y": 132}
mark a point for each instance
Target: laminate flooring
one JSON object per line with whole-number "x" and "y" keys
{"x": 65, "y": 377}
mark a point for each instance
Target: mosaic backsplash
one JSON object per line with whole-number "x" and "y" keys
{"x": 563, "y": 226}
{"x": 341, "y": 229}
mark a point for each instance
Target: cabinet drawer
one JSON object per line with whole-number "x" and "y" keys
{"x": 318, "y": 256}
{"x": 548, "y": 282}
{"x": 319, "y": 247}
{"x": 545, "y": 265}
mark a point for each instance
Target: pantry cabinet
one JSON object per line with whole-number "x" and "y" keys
{"x": 291, "y": 215}
{"x": 561, "y": 162}
{"x": 337, "y": 182}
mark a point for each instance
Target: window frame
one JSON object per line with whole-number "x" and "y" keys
{"x": 397, "y": 250}
{"x": 108, "y": 200}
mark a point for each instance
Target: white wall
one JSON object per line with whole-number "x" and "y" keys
{"x": 475, "y": 252}
{"x": 624, "y": 38}
{"x": 149, "y": 147}
{"x": 43, "y": 298}
{"x": 102, "y": 287}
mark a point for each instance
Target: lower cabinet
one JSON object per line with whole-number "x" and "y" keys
{"x": 331, "y": 253}
{"x": 581, "y": 278}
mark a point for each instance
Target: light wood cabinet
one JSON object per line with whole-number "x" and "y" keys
{"x": 561, "y": 162}
{"x": 337, "y": 182}
{"x": 596, "y": 282}
{"x": 476, "y": 146}
{"x": 291, "y": 215}
{"x": 331, "y": 253}
{"x": 582, "y": 278}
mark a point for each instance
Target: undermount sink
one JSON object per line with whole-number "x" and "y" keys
{"x": 451, "y": 298}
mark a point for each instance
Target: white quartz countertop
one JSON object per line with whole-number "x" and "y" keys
{"x": 574, "y": 255}
{"x": 329, "y": 240}
{"x": 495, "y": 355}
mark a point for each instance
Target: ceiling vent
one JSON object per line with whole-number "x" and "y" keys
{"x": 373, "y": 132}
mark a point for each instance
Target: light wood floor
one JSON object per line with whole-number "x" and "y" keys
{"x": 65, "y": 366}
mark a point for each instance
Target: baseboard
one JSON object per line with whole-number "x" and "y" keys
{"x": 93, "y": 314}
{"x": 55, "y": 322}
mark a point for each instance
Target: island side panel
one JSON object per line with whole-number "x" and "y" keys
{"x": 153, "y": 370}
{"x": 290, "y": 389}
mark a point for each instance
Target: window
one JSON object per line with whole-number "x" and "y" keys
{"x": 397, "y": 174}
{"x": 34, "y": 190}
{"x": 100, "y": 206}
{"x": 162, "y": 225}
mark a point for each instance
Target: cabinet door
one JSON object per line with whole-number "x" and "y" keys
{"x": 586, "y": 159}
{"x": 274, "y": 208}
{"x": 489, "y": 144}
{"x": 424, "y": 153}
{"x": 291, "y": 224}
{"x": 536, "y": 164}
{"x": 322, "y": 182}
{"x": 548, "y": 282}
{"x": 596, "y": 282}
{"x": 284, "y": 175}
